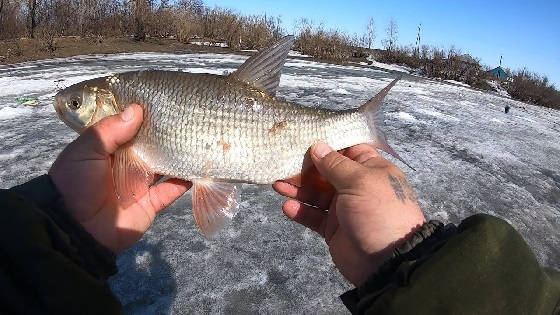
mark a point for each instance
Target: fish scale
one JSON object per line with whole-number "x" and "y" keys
{"x": 216, "y": 131}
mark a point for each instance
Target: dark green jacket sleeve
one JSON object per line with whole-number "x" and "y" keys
{"x": 483, "y": 266}
{"x": 49, "y": 264}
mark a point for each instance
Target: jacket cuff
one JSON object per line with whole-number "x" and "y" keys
{"x": 398, "y": 269}
{"x": 80, "y": 246}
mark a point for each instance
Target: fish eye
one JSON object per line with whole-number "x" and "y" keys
{"x": 75, "y": 102}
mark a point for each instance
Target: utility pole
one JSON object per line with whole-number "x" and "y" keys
{"x": 418, "y": 39}
{"x": 501, "y": 60}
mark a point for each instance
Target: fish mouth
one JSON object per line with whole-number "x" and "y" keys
{"x": 58, "y": 102}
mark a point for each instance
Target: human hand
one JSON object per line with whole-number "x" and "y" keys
{"x": 82, "y": 174}
{"x": 360, "y": 203}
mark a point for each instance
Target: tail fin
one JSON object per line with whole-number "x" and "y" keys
{"x": 374, "y": 116}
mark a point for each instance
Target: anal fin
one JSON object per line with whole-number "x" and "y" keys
{"x": 214, "y": 204}
{"x": 131, "y": 176}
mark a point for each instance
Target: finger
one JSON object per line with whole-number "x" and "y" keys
{"x": 307, "y": 216}
{"x": 166, "y": 192}
{"x": 106, "y": 136}
{"x": 311, "y": 196}
{"x": 157, "y": 177}
{"x": 339, "y": 170}
{"x": 361, "y": 152}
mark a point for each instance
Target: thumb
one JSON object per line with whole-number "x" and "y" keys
{"x": 339, "y": 170}
{"x": 106, "y": 136}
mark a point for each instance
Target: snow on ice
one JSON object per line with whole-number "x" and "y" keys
{"x": 469, "y": 156}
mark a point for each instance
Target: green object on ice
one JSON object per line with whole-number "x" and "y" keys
{"x": 26, "y": 99}
{"x": 30, "y": 101}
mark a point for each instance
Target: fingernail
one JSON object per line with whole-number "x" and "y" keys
{"x": 321, "y": 149}
{"x": 127, "y": 114}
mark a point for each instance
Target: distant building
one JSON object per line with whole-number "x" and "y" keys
{"x": 498, "y": 73}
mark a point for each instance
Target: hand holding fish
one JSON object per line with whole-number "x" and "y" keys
{"x": 371, "y": 207}
{"x": 83, "y": 175}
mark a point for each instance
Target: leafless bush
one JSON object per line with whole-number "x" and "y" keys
{"x": 166, "y": 21}
{"x": 96, "y": 39}
{"x": 224, "y": 25}
{"x": 48, "y": 40}
{"x": 186, "y": 26}
{"x": 531, "y": 87}
{"x": 258, "y": 31}
{"x": 14, "y": 49}
{"x": 449, "y": 64}
{"x": 322, "y": 44}
{"x": 358, "y": 46}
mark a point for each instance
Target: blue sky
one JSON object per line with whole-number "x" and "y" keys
{"x": 527, "y": 33}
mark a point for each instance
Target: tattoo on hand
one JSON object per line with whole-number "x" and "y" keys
{"x": 397, "y": 187}
{"x": 402, "y": 188}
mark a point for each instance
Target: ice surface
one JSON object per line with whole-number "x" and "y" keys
{"x": 470, "y": 157}
{"x": 12, "y": 112}
{"x": 499, "y": 89}
{"x": 392, "y": 67}
{"x": 404, "y": 116}
{"x": 457, "y": 83}
{"x": 294, "y": 53}
{"x": 215, "y": 44}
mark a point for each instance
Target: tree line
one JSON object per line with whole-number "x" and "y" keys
{"x": 183, "y": 20}
{"x": 188, "y": 19}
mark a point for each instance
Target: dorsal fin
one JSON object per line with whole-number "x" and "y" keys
{"x": 263, "y": 69}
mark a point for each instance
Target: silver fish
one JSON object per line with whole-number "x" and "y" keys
{"x": 216, "y": 131}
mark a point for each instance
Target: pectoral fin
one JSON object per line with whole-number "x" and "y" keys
{"x": 214, "y": 204}
{"x": 132, "y": 178}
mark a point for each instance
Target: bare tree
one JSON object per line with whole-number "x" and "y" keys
{"x": 369, "y": 36}
{"x": 163, "y": 4}
{"x": 392, "y": 32}
{"x": 139, "y": 20}
{"x": 1, "y": 8}
{"x": 32, "y": 17}
{"x": 194, "y": 6}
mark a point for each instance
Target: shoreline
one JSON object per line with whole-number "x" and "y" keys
{"x": 34, "y": 49}
{"x": 25, "y": 49}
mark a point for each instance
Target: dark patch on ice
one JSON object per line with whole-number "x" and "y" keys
{"x": 154, "y": 287}
{"x": 465, "y": 155}
{"x": 514, "y": 175}
{"x": 535, "y": 184}
{"x": 197, "y": 247}
{"x": 276, "y": 277}
{"x": 552, "y": 175}
{"x": 246, "y": 301}
{"x": 553, "y": 195}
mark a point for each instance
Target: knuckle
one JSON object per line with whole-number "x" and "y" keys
{"x": 155, "y": 201}
{"x": 335, "y": 160}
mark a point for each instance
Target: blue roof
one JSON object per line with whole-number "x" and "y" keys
{"x": 498, "y": 73}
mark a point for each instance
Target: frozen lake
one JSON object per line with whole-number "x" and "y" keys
{"x": 470, "y": 157}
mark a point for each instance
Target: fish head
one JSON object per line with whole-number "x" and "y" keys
{"x": 83, "y": 104}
